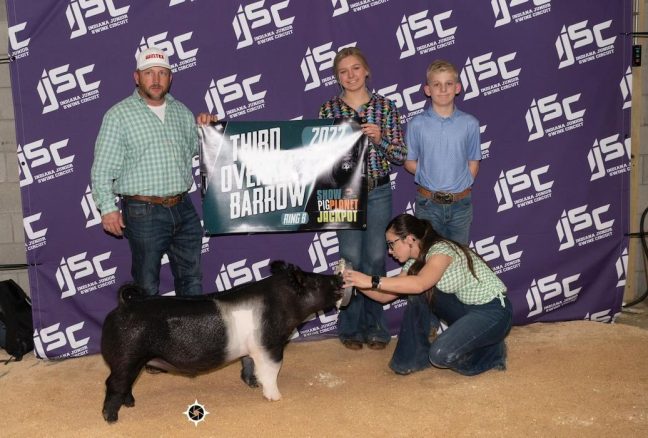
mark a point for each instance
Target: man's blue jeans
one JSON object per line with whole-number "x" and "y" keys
{"x": 152, "y": 231}
{"x": 472, "y": 344}
{"x": 363, "y": 319}
{"x": 451, "y": 221}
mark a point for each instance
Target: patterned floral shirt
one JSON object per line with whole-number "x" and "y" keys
{"x": 382, "y": 112}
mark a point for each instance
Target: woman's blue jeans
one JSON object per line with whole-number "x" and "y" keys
{"x": 153, "y": 230}
{"x": 472, "y": 343}
{"x": 363, "y": 319}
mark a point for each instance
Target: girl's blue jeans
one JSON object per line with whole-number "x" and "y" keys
{"x": 472, "y": 343}
{"x": 363, "y": 319}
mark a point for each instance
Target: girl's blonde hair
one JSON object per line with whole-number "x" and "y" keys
{"x": 346, "y": 52}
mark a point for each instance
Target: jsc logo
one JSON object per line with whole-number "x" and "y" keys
{"x": 576, "y": 220}
{"x": 19, "y": 48}
{"x": 604, "y": 316}
{"x": 61, "y": 80}
{"x": 417, "y": 26}
{"x": 36, "y": 154}
{"x": 268, "y": 19}
{"x": 501, "y": 253}
{"x": 229, "y": 89}
{"x": 90, "y": 211}
{"x": 240, "y": 272}
{"x": 626, "y": 88}
{"x": 590, "y": 40}
{"x": 486, "y": 75}
{"x": 519, "y": 180}
{"x": 317, "y": 60}
{"x": 409, "y": 100}
{"x": 53, "y": 337}
{"x": 104, "y": 14}
{"x": 551, "y": 108}
{"x": 79, "y": 266}
{"x": 504, "y": 15}
{"x": 323, "y": 246}
{"x": 174, "y": 47}
{"x": 34, "y": 238}
{"x": 485, "y": 146}
{"x": 609, "y": 156}
{"x": 550, "y": 293}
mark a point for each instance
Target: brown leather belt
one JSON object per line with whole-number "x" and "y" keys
{"x": 165, "y": 201}
{"x": 443, "y": 197}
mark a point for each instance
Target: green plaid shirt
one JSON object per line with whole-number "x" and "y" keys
{"x": 137, "y": 154}
{"x": 458, "y": 280}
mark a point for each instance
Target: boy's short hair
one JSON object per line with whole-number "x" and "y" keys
{"x": 441, "y": 65}
{"x": 350, "y": 51}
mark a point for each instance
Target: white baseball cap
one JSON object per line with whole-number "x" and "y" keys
{"x": 152, "y": 57}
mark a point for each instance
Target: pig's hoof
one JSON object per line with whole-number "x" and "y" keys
{"x": 273, "y": 396}
{"x": 110, "y": 417}
{"x": 249, "y": 379}
{"x": 129, "y": 401}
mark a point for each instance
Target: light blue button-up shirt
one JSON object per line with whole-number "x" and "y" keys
{"x": 442, "y": 147}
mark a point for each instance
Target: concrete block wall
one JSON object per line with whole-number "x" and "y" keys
{"x": 12, "y": 237}
{"x": 12, "y": 249}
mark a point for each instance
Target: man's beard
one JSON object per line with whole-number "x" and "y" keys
{"x": 154, "y": 97}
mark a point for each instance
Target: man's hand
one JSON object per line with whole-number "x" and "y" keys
{"x": 206, "y": 119}
{"x": 113, "y": 223}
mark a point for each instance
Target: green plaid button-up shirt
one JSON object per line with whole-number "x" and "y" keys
{"x": 458, "y": 280}
{"x": 137, "y": 154}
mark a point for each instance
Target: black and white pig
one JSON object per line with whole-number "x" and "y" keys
{"x": 196, "y": 334}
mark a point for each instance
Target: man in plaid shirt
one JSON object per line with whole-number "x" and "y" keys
{"x": 143, "y": 154}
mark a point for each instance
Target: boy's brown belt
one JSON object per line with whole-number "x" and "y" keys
{"x": 165, "y": 201}
{"x": 443, "y": 197}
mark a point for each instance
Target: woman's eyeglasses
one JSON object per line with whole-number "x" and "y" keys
{"x": 390, "y": 243}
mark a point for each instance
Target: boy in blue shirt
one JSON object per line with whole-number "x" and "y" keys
{"x": 444, "y": 151}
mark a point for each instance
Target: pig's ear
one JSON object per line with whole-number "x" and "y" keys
{"x": 297, "y": 279}
{"x": 278, "y": 266}
{"x": 295, "y": 275}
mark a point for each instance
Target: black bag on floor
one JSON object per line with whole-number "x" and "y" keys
{"x": 16, "y": 316}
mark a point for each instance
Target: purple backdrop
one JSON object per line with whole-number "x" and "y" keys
{"x": 548, "y": 80}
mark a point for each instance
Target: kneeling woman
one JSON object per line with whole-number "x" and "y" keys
{"x": 468, "y": 296}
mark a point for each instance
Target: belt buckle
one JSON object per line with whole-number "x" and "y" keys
{"x": 443, "y": 198}
{"x": 169, "y": 202}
